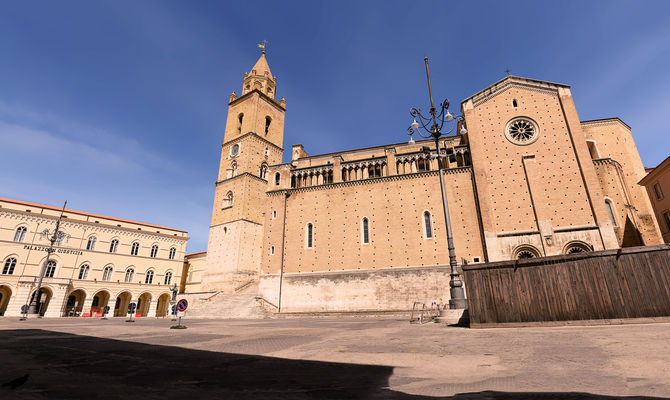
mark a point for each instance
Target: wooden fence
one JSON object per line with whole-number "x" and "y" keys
{"x": 602, "y": 285}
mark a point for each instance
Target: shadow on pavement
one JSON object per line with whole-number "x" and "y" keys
{"x": 62, "y": 365}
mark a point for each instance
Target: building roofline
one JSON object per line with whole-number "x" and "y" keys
{"x": 652, "y": 175}
{"x": 612, "y": 119}
{"x": 27, "y": 203}
{"x": 249, "y": 93}
{"x": 518, "y": 79}
{"x": 197, "y": 253}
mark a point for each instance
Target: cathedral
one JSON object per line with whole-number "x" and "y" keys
{"x": 363, "y": 229}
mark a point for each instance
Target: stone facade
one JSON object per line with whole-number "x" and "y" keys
{"x": 103, "y": 261}
{"x": 527, "y": 180}
{"x": 657, "y": 184}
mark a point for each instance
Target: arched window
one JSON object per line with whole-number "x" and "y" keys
{"x": 233, "y": 169}
{"x": 610, "y": 211}
{"x": 90, "y": 245}
{"x": 268, "y": 120}
{"x": 114, "y": 246}
{"x": 228, "y": 200}
{"x": 149, "y": 278}
{"x": 130, "y": 274}
{"x": 134, "y": 249}
{"x": 264, "y": 170}
{"x": 50, "y": 270}
{"x": 107, "y": 274}
{"x": 20, "y": 234}
{"x": 427, "y": 225}
{"x": 83, "y": 271}
{"x": 277, "y": 179}
{"x": 8, "y": 269}
{"x": 168, "y": 278}
{"x": 239, "y": 119}
{"x": 309, "y": 236}
{"x": 154, "y": 251}
{"x": 423, "y": 165}
{"x": 526, "y": 251}
{"x": 365, "y": 233}
{"x": 577, "y": 247}
{"x": 173, "y": 253}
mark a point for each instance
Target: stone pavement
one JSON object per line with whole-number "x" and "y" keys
{"x": 329, "y": 358}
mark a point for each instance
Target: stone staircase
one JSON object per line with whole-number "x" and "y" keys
{"x": 241, "y": 303}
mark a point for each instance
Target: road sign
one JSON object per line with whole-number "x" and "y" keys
{"x": 182, "y": 305}
{"x": 180, "y": 314}
{"x": 131, "y": 308}
{"x": 106, "y": 310}
{"x": 24, "y": 309}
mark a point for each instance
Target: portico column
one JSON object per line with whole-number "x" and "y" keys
{"x": 88, "y": 302}
{"x": 153, "y": 306}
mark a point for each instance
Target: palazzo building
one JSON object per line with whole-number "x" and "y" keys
{"x": 101, "y": 261}
{"x": 657, "y": 183}
{"x": 363, "y": 229}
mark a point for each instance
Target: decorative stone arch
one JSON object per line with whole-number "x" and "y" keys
{"x": 121, "y": 301}
{"x": 6, "y": 292}
{"x": 524, "y": 251}
{"x": 97, "y": 306}
{"x": 143, "y": 304}
{"x": 47, "y": 294}
{"x": 163, "y": 306}
{"x": 74, "y": 302}
{"x": 576, "y": 246}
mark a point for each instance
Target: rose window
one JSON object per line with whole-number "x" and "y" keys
{"x": 521, "y": 131}
{"x": 525, "y": 254}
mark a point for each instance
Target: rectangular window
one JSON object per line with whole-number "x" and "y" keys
{"x": 366, "y": 236}
{"x": 666, "y": 217}
{"x": 610, "y": 212}
{"x": 657, "y": 190}
{"x": 309, "y": 235}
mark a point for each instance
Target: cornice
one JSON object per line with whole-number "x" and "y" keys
{"x": 239, "y": 176}
{"x": 263, "y": 96}
{"x": 605, "y": 121}
{"x": 511, "y": 81}
{"x": 65, "y": 223}
{"x": 450, "y": 171}
{"x": 254, "y": 135}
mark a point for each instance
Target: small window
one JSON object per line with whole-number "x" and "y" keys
{"x": 328, "y": 177}
{"x": 130, "y": 274}
{"x": 657, "y": 191}
{"x": 268, "y": 120}
{"x": 235, "y": 150}
{"x": 149, "y": 278}
{"x": 366, "y": 236}
{"x": 263, "y": 171}
{"x": 154, "y": 251}
{"x": 173, "y": 253}
{"x": 90, "y": 245}
{"x": 274, "y": 214}
{"x": 10, "y": 264}
{"x": 20, "y": 234}
{"x": 514, "y": 103}
{"x": 50, "y": 271}
{"x": 272, "y": 249}
{"x": 114, "y": 246}
{"x": 666, "y": 217}
{"x": 309, "y": 236}
{"x": 83, "y": 271}
{"x": 107, "y": 274}
{"x": 168, "y": 278}
{"x": 427, "y": 225}
{"x": 240, "y": 118}
{"x": 608, "y": 204}
{"x": 228, "y": 200}
{"x": 475, "y": 259}
{"x": 134, "y": 249}
{"x": 277, "y": 179}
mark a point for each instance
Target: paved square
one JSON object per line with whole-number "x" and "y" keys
{"x": 328, "y": 358}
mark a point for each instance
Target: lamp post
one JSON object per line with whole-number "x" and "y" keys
{"x": 433, "y": 125}
{"x": 56, "y": 236}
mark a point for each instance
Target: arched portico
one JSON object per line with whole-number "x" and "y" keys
{"x": 143, "y": 304}
{"x": 45, "y": 299}
{"x": 99, "y": 302}
{"x": 121, "y": 304}
{"x": 163, "y": 305}
{"x": 5, "y": 295}
{"x": 74, "y": 303}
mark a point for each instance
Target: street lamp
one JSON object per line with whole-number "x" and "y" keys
{"x": 56, "y": 236}
{"x": 433, "y": 126}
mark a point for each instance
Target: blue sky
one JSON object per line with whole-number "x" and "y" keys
{"x": 119, "y": 106}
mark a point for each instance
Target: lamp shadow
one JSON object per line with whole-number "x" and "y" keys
{"x": 62, "y": 365}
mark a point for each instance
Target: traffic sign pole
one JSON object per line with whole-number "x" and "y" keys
{"x": 181, "y": 307}
{"x": 131, "y": 311}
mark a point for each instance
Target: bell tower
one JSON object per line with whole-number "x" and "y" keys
{"x": 252, "y": 141}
